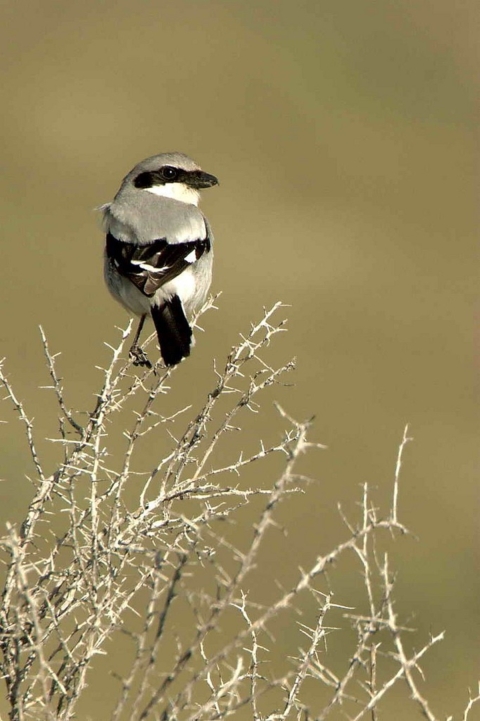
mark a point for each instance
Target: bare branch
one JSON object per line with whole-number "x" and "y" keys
{"x": 109, "y": 548}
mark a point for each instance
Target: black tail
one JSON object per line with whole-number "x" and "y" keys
{"x": 173, "y": 330}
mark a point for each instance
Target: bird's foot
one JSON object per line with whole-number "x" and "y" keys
{"x": 138, "y": 357}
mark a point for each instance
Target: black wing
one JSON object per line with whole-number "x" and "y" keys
{"x": 151, "y": 266}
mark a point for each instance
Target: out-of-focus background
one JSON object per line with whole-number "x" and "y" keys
{"x": 343, "y": 135}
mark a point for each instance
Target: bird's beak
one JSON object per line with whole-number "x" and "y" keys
{"x": 199, "y": 179}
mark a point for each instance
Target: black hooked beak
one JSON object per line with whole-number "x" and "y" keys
{"x": 199, "y": 179}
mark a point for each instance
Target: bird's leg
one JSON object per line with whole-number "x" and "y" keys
{"x": 136, "y": 354}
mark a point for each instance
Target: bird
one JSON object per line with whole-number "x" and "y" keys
{"x": 159, "y": 250}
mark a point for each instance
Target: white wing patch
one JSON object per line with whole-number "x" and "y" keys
{"x": 191, "y": 257}
{"x": 145, "y": 266}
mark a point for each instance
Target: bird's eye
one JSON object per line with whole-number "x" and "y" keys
{"x": 168, "y": 173}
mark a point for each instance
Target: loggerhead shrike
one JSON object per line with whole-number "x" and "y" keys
{"x": 158, "y": 254}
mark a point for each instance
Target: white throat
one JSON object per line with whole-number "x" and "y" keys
{"x": 177, "y": 191}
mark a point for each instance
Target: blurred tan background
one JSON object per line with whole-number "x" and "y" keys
{"x": 343, "y": 135}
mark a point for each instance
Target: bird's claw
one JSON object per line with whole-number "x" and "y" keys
{"x": 138, "y": 357}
